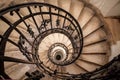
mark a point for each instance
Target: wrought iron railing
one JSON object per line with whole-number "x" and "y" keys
{"x": 64, "y": 24}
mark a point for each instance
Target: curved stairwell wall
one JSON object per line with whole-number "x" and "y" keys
{"x": 113, "y": 24}
{"x": 96, "y": 38}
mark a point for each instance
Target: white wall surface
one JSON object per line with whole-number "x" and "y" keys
{"x": 108, "y": 7}
{"x": 115, "y": 50}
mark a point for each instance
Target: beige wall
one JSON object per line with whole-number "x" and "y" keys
{"x": 107, "y": 7}
{"x": 114, "y": 27}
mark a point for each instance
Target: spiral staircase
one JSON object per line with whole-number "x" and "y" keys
{"x": 59, "y": 38}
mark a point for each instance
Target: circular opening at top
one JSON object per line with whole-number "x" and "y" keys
{"x": 58, "y": 53}
{"x": 58, "y": 57}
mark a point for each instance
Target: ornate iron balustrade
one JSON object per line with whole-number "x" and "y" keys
{"x": 69, "y": 27}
